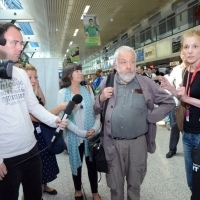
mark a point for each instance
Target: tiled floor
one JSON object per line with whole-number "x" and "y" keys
{"x": 165, "y": 179}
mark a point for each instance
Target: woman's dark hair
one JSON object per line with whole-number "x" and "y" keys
{"x": 67, "y": 74}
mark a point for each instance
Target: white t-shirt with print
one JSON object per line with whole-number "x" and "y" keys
{"x": 17, "y": 100}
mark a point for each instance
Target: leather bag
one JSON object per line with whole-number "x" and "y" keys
{"x": 180, "y": 115}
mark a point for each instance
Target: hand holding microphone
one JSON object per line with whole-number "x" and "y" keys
{"x": 62, "y": 122}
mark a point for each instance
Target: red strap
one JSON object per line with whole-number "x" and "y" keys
{"x": 192, "y": 79}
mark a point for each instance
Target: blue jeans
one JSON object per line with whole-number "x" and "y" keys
{"x": 172, "y": 116}
{"x": 190, "y": 141}
{"x": 166, "y": 119}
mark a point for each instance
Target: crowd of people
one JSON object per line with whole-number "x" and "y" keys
{"x": 137, "y": 96}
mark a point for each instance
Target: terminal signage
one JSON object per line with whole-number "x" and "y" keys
{"x": 176, "y": 44}
{"x": 175, "y": 63}
{"x": 149, "y": 52}
{"x": 139, "y": 55}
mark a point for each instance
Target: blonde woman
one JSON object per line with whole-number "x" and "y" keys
{"x": 189, "y": 93}
{"x": 50, "y": 167}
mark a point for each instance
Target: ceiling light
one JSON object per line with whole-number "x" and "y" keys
{"x": 2, "y": 5}
{"x": 70, "y": 43}
{"x": 56, "y": 29}
{"x": 25, "y": 20}
{"x": 75, "y": 32}
{"x": 86, "y": 9}
{"x": 82, "y": 16}
{"x": 67, "y": 50}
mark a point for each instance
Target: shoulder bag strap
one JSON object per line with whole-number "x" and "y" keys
{"x": 109, "y": 83}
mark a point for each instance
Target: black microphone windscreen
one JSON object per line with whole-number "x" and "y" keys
{"x": 69, "y": 107}
{"x": 110, "y": 80}
{"x": 77, "y": 98}
{"x": 2, "y": 41}
{"x": 9, "y": 69}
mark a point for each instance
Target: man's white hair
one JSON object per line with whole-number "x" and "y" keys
{"x": 122, "y": 49}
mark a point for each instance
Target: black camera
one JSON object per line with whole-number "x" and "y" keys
{"x": 6, "y": 68}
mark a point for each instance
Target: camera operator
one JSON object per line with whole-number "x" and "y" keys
{"x": 17, "y": 140}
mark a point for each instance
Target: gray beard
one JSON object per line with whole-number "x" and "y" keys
{"x": 126, "y": 78}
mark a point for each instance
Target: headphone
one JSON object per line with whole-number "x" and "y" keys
{"x": 2, "y": 39}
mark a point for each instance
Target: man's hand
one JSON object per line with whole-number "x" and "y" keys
{"x": 107, "y": 93}
{"x": 61, "y": 123}
{"x": 3, "y": 171}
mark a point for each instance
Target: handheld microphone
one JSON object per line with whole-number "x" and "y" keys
{"x": 75, "y": 100}
{"x": 70, "y": 106}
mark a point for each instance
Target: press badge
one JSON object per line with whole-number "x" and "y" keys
{"x": 187, "y": 115}
{"x": 38, "y": 129}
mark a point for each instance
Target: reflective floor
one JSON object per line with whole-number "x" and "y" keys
{"x": 165, "y": 179}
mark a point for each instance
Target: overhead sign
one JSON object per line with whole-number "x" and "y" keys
{"x": 176, "y": 44}
{"x": 139, "y": 55}
{"x": 149, "y": 52}
{"x": 175, "y": 63}
{"x": 163, "y": 48}
{"x": 74, "y": 52}
{"x": 91, "y": 30}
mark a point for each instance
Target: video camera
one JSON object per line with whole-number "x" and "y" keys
{"x": 6, "y": 66}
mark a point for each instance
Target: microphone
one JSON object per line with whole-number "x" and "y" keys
{"x": 2, "y": 41}
{"x": 70, "y": 106}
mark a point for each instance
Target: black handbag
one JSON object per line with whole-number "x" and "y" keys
{"x": 59, "y": 144}
{"x": 93, "y": 141}
{"x": 100, "y": 158}
{"x": 196, "y": 173}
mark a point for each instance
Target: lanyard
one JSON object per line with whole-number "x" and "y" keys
{"x": 189, "y": 82}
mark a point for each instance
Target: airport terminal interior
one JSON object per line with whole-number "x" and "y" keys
{"x": 55, "y": 34}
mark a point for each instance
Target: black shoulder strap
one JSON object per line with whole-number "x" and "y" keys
{"x": 183, "y": 73}
{"x": 110, "y": 80}
{"x": 109, "y": 83}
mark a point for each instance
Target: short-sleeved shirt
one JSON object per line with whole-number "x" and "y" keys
{"x": 92, "y": 30}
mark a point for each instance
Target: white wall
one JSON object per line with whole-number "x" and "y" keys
{"x": 47, "y": 70}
